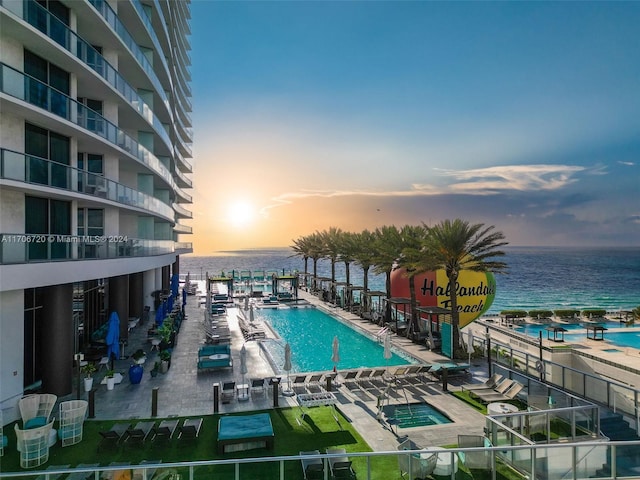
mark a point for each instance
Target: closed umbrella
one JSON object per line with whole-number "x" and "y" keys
{"x": 387, "y": 347}
{"x": 335, "y": 356}
{"x": 251, "y": 314}
{"x": 287, "y": 368}
{"x": 246, "y": 302}
{"x": 113, "y": 337}
{"x": 470, "y": 345}
{"x": 175, "y": 282}
{"x": 243, "y": 371}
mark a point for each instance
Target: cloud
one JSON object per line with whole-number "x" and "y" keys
{"x": 628, "y": 164}
{"x": 479, "y": 181}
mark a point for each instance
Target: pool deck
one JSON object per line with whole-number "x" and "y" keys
{"x": 183, "y": 391}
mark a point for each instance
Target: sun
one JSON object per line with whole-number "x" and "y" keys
{"x": 240, "y": 214}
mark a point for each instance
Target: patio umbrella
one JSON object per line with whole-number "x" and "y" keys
{"x": 184, "y": 295}
{"x": 335, "y": 356}
{"x": 287, "y": 368}
{"x": 113, "y": 337}
{"x": 207, "y": 312}
{"x": 175, "y": 281}
{"x": 251, "y": 314}
{"x": 470, "y": 345}
{"x": 243, "y": 362}
{"x": 159, "y": 317}
{"x": 246, "y": 302}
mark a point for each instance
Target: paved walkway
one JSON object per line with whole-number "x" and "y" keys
{"x": 183, "y": 391}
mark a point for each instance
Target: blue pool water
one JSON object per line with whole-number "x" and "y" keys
{"x": 615, "y": 335}
{"x": 310, "y": 333}
{"x": 415, "y": 415}
{"x": 532, "y": 330}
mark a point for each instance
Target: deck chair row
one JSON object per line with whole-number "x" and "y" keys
{"x": 148, "y": 430}
{"x": 339, "y": 464}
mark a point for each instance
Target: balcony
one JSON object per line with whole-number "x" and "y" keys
{"x": 39, "y": 171}
{"x": 16, "y": 248}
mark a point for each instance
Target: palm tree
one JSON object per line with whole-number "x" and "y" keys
{"x": 364, "y": 256}
{"x": 455, "y": 246}
{"x": 313, "y": 244}
{"x": 386, "y": 248}
{"x": 348, "y": 248}
{"x": 412, "y": 259}
{"x": 331, "y": 249}
{"x": 302, "y": 248}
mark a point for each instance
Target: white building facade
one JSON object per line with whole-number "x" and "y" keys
{"x": 95, "y": 167}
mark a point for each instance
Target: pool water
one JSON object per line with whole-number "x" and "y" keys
{"x": 615, "y": 335}
{"x": 310, "y": 333}
{"x": 415, "y": 415}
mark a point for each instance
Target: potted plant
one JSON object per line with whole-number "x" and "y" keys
{"x": 155, "y": 369}
{"x": 165, "y": 358}
{"x": 139, "y": 356}
{"x": 111, "y": 380}
{"x": 88, "y": 370}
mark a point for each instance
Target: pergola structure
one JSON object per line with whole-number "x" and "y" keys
{"x": 396, "y": 303}
{"x": 278, "y": 281}
{"x": 431, "y": 312}
{"x": 339, "y": 287}
{"x": 555, "y": 333}
{"x": 368, "y": 302}
{"x": 351, "y": 289}
{"x": 228, "y": 281}
{"x": 595, "y": 332}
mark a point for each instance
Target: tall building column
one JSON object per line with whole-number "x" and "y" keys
{"x": 136, "y": 295}
{"x": 57, "y": 332}
{"x": 119, "y": 302}
{"x": 166, "y": 276}
{"x": 175, "y": 268}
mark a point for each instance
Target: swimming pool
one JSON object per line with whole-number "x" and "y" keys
{"x": 614, "y": 335}
{"x": 310, "y": 333}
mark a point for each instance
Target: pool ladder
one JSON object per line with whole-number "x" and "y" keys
{"x": 385, "y": 396}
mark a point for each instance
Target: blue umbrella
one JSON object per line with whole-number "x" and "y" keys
{"x": 175, "y": 281}
{"x": 184, "y": 296}
{"x": 159, "y": 317}
{"x": 170, "y": 304}
{"x": 113, "y": 336}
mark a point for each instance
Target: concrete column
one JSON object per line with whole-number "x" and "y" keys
{"x": 166, "y": 276}
{"x": 149, "y": 286}
{"x": 119, "y": 302}
{"x": 57, "y": 346}
{"x": 136, "y": 295}
{"x": 175, "y": 268}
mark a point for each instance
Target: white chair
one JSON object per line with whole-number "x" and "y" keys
{"x": 72, "y": 414}
{"x": 418, "y": 465}
{"x": 36, "y": 409}
{"x": 33, "y": 445}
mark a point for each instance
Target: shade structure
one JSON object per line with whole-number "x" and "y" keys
{"x": 113, "y": 336}
{"x": 287, "y": 368}
{"x": 335, "y": 355}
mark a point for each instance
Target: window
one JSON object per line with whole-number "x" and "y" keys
{"x": 90, "y": 178}
{"x": 46, "y": 74}
{"x": 42, "y": 145}
{"x": 47, "y": 216}
{"x": 90, "y": 222}
{"x": 91, "y": 117}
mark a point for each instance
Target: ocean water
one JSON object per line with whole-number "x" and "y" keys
{"x": 538, "y": 277}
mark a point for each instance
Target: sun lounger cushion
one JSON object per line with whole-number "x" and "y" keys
{"x": 243, "y": 432}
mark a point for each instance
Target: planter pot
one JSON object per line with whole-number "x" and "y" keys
{"x": 164, "y": 366}
{"x": 88, "y": 384}
{"x": 135, "y": 373}
{"x": 111, "y": 382}
{"x": 154, "y": 373}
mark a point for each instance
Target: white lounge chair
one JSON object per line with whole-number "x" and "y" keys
{"x": 33, "y": 445}
{"x": 72, "y": 414}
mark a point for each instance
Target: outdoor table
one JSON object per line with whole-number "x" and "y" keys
{"x": 447, "y": 463}
{"x": 242, "y": 391}
{"x": 499, "y": 408}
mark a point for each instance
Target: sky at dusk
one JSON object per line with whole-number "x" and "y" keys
{"x": 309, "y": 115}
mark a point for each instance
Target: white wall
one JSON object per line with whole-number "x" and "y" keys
{"x": 11, "y": 352}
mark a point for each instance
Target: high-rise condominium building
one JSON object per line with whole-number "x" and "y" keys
{"x": 95, "y": 166}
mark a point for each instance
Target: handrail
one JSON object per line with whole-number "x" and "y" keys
{"x": 86, "y": 53}
{"x": 40, "y": 171}
{"x": 525, "y": 457}
{"x": 111, "y": 17}
{"x": 33, "y": 248}
{"x": 24, "y": 87}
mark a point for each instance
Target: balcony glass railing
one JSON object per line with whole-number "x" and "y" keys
{"x": 183, "y": 212}
{"x": 184, "y": 195}
{"x": 40, "y": 171}
{"x": 40, "y": 18}
{"x": 47, "y": 247}
{"x": 118, "y": 27}
{"x": 28, "y": 89}
{"x": 149, "y": 27}
{"x": 186, "y": 181}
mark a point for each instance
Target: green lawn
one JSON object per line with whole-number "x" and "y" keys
{"x": 319, "y": 431}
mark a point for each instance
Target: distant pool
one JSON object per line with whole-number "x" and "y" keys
{"x": 615, "y": 335}
{"x": 310, "y": 333}
{"x": 533, "y": 330}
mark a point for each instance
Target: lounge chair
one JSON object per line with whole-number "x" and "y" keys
{"x": 312, "y": 468}
{"x": 138, "y": 474}
{"x": 140, "y": 432}
{"x": 35, "y": 409}
{"x": 418, "y": 465}
{"x": 258, "y": 386}
{"x": 114, "y": 435}
{"x": 340, "y": 467}
{"x": 313, "y": 383}
{"x": 53, "y": 476}
{"x": 510, "y": 394}
{"x": 88, "y": 473}
{"x": 228, "y": 391}
{"x": 492, "y": 382}
{"x": 395, "y": 373}
{"x": 190, "y": 428}
{"x": 71, "y": 421}
{"x": 299, "y": 384}
{"x": 165, "y": 430}
{"x": 500, "y": 388}
{"x": 364, "y": 375}
{"x": 349, "y": 376}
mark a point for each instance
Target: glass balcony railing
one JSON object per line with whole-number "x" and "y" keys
{"x": 48, "y": 247}
{"x": 182, "y": 211}
{"x": 118, "y": 27}
{"x": 28, "y": 89}
{"x": 40, "y": 18}
{"x": 149, "y": 27}
{"x": 40, "y": 171}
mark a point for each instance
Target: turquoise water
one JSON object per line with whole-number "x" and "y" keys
{"x": 532, "y": 330}
{"x": 415, "y": 415}
{"x": 310, "y": 333}
{"x": 619, "y": 339}
{"x": 615, "y": 335}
